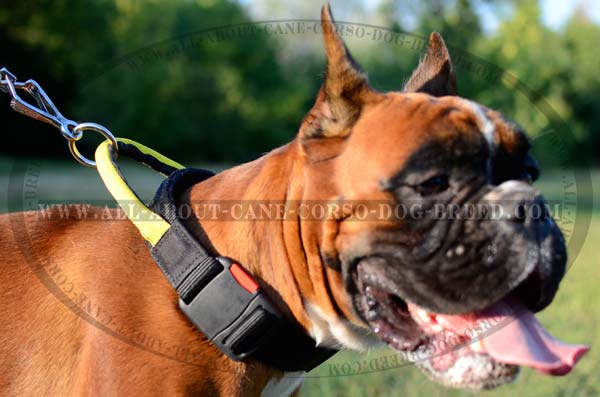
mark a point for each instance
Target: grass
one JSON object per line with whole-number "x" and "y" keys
{"x": 573, "y": 317}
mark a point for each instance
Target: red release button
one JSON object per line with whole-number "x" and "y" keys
{"x": 243, "y": 278}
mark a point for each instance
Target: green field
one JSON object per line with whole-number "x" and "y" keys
{"x": 573, "y": 317}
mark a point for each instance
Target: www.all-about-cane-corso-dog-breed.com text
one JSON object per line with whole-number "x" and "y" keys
{"x": 401, "y": 281}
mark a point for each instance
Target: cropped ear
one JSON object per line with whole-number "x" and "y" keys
{"x": 344, "y": 92}
{"x": 435, "y": 74}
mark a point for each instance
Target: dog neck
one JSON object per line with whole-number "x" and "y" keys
{"x": 274, "y": 262}
{"x": 288, "y": 266}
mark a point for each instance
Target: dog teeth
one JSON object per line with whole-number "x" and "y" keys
{"x": 427, "y": 320}
{"x": 477, "y": 346}
{"x": 424, "y": 316}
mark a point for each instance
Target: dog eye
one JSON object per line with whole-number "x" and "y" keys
{"x": 531, "y": 174}
{"x": 433, "y": 185}
{"x": 530, "y": 169}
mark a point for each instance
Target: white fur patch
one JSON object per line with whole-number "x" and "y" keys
{"x": 337, "y": 333}
{"x": 508, "y": 186}
{"x": 513, "y": 185}
{"x": 284, "y": 386}
{"x": 488, "y": 129}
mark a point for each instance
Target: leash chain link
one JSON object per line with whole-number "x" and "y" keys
{"x": 46, "y": 112}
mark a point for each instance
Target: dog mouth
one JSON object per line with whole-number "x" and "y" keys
{"x": 477, "y": 350}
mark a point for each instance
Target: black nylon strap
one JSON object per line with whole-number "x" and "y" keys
{"x": 190, "y": 268}
{"x": 152, "y": 162}
{"x": 185, "y": 262}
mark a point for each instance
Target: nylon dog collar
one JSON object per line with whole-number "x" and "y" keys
{"x": 217, "y": 294}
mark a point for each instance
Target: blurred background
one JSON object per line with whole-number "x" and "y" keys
{"x": 208, "y": 83}
{"x": 155, "y": 71}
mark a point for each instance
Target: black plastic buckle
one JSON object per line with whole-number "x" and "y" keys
{"x": 232, "y": 312}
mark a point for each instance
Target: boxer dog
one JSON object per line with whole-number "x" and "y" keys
{"x": 108, "y": 323}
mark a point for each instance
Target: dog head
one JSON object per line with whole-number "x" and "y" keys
{"x": 436, "y": 157}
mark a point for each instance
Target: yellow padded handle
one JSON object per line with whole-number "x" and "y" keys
{"x": 151, "y": 225}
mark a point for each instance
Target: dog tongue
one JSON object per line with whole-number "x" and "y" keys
{"x": 513, "y": 335}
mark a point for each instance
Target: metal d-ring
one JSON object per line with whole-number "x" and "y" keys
{"x": 79, "y": 130}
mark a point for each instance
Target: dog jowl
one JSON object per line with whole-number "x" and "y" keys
{"x": 461, "y": 290}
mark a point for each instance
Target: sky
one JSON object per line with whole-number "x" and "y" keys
{"x": 554, "y": 12}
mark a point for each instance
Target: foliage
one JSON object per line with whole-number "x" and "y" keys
{"x": 156, "y": 72}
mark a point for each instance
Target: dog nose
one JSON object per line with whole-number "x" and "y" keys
{"x": 517, "y": 202}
